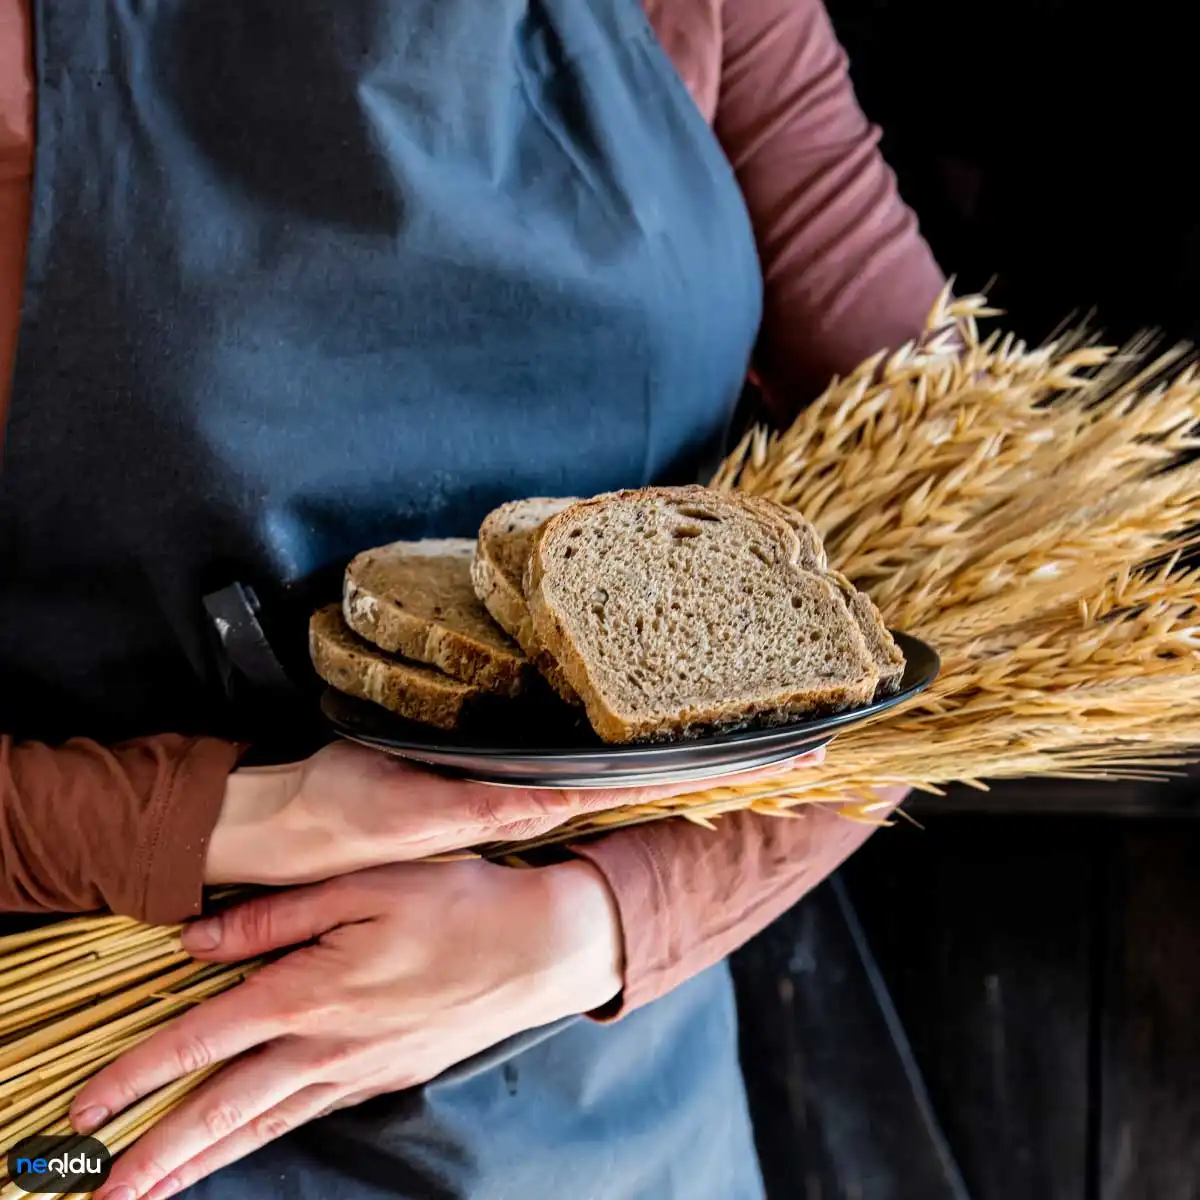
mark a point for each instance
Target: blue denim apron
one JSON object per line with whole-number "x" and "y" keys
{"x": 306, "y": 277}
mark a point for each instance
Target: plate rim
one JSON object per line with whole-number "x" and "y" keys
{"x": 630, "y": 777}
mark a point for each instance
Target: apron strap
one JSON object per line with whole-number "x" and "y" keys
{"x": 277, "y": 714}
{"x": 242, "y": 645}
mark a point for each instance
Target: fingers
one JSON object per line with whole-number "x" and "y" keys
{"x": 269, "y": 922}
{"x": 155, "y": 1168}
{"x": 246, "y": 1105}
{"x": 668, "y": 791}
{"x": 601, "y": 799}
{"x": 519, "y": 813}
{"x": 222, "y": 1027}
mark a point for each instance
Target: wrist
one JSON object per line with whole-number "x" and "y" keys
{"x": 243, "y": 834}
{"x": 586, "y": 934}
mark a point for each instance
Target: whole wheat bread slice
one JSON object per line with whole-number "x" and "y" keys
{"x": 357, "y": 668}
{"x": 812, "y": 549}
{"x": 498, "y": 571}
{"x": 675, "y": 611}
{"x": 416, "y": 599}
{"x": 887, "y": 655}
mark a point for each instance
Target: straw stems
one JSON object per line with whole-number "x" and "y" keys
{"x": 73, "y": 997}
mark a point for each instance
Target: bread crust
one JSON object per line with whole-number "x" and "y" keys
{"x": 812, "y": 549}
{"x": 502, "y": 593}
{"x": 887, "y": 655}
{"x": 416, "y": 692}
{"x": 382, "y": 615}
{"x": 889, "y": 658}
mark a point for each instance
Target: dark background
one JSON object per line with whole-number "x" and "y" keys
{"x": 1004, "y": 1004}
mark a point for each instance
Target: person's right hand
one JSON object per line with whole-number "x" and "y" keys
{"x": 348, "y": 808}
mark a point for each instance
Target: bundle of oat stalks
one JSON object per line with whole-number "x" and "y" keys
{"x": 1027, "y": 511}
{"x": 73, "y": 996}
{"x": 1024, "y": 510}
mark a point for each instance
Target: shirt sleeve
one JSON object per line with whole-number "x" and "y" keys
{"x": 688, "y": 896}
{"x": 126, "y": 828}
{"x": 83, "y": 827}
{"x": 846, "y": 270}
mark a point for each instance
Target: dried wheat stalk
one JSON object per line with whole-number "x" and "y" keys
{"x": 73, "y": 996}
{"x": 1024, "y": 509}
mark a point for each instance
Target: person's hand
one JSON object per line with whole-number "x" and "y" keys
{"x": 348, "y": 808}
{"x": 415, "y": 967}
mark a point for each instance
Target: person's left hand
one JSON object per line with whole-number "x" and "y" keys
{"x": 414, "y": 968}
{"x": 348, "y": 808}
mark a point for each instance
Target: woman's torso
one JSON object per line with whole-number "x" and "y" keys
{"x": 690, "y": 31}
{"x": 266, "y": 323}
{"x": 477, "y": 255}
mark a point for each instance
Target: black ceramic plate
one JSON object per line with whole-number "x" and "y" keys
{"x": 570, "y": 755}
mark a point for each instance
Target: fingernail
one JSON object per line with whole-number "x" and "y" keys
{"x": 90, "y": 1118}
{"x": 202, "y": 935}
{"x": 121, "y": 1192}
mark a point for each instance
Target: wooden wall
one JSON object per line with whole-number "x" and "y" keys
{"x": 995, "y": 1007}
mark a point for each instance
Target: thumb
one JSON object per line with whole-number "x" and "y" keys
{"x": 267, "y": 923}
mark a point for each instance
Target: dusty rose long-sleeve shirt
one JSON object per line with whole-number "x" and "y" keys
{"x": 846, "y": 273}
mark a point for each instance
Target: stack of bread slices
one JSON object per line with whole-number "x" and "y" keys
{"x": 662, "y": 612}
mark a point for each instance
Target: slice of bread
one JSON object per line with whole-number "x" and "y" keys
{"x": 417, "y": 692}
{"x": 498, "y": 571}
{"x": 415, "y": 599}
{"x": 676, "y": 611}
{"x": 888, "y": 657}
{"x": 812, "y": 549}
